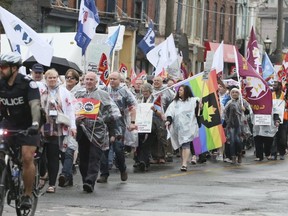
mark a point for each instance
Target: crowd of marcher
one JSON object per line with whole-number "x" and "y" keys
{"x": 98, "y": 143}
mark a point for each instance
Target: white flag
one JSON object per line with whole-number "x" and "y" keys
{"x": 20, "y": 33}
{"x": 218, "y": 60}
{"x": 163, "y": 55}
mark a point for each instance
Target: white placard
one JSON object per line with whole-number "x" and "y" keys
{"x": 144, "y": 116}
{"x": 278, "y": 108}
{"x": 262, "y": 119}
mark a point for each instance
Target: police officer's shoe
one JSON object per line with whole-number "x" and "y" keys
{"x": 26, "y": 202}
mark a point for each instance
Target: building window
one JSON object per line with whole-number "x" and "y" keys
{"x": 157, "y": 12}
{"x": 111, "y": 8}
{"x": 206, "y": 20}
{"x": 138, "y": 9}
{"x": 179, "y": 16}
{"x": 222, "y": 23}
{"x": 124, "y": 6}
{"x": 62, "y": 3}
{"x": 189, "y": 14}
{"x": 199, "y": 19}
{"x": 231, "y": 32}
{"x": 214, "y": 22}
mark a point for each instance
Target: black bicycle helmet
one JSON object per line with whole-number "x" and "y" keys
{"x": 11, "y": 59}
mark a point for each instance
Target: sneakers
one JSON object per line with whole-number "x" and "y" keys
{"x": 88, "y": 188}
{"x": 102, "y": 179}
{"x": 282, "y": 157}
{"x": 26, "y": 202}
{"x": 219, "y": 158}
{"x": 272, "y": 157}
{"x": 64, "y": 182}
{"x": 227, "y": 160}
{"x": 124, "y": 176}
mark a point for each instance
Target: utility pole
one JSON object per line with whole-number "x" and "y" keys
{"x": 278, "y": 52}
{"x": 169, "y": 28}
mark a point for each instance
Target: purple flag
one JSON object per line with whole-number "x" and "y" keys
{"x": 253, "y": 53}
{"x": 255, "y": 90}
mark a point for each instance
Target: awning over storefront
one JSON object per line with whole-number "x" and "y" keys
{"x": 228, "y": 52}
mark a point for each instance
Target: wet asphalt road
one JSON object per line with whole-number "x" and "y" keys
{"x": 213, "y": 188}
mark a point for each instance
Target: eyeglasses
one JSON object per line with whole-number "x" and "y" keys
{"x": 70, "y": 78}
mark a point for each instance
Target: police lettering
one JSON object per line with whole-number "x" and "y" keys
{"x": 12, "y": 101}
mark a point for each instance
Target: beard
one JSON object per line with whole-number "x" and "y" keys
{"x": 5, "y": 76}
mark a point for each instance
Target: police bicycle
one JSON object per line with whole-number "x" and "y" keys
{"x": 11, "y": 182}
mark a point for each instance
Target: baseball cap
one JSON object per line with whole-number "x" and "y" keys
{"x": 38, "y": 68}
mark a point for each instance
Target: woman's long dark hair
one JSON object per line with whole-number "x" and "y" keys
{"x": 187, "y": 93}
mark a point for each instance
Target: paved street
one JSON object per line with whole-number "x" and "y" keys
{"x": 214, "y": 188}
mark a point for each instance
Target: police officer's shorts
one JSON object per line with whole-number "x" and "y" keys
{"x": 24, "y": 140}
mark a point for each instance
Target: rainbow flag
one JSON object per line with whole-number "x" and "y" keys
{"x": 211, "y": 133}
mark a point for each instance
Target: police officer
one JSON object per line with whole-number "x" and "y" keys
{"x": 20, "y": 110}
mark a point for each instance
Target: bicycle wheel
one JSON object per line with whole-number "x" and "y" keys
{"x": 29, "y": 212}
{"x": 3, "y": 185}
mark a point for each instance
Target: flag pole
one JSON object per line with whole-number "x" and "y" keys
{"x": 205, "y": 77}
{"x": 84, "y": 62}
{"x": 112, "y": 61}
{"x": 238, "y": 76}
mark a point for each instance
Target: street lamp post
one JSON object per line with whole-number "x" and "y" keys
{"x": 267, "y": 44}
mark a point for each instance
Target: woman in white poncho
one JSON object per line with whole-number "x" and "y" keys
{"x": 181, "y": 120}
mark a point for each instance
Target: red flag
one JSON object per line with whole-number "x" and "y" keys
{"x": 285, "y": 60}
{"x": 123, "y": 69}
{"x": 253, "y": 53}
{"x": 157, "y": 103}
{"x": 132, "y": 74}
{"x": 103, "y": 63}
{"x": 163, "y": 74}
{"x": 141, "y": 75}
{"x": 257, "y": 90}
{"x": 103, "y": 69}
{"x": 281, "y": 74}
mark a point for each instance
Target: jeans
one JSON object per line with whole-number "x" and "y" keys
{"x": 235, "y": 142}
{"x": 118, "y": 148}
{"x": 67, "y": 162}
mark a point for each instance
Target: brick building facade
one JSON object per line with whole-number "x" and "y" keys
{"x": 197, "y": 20}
